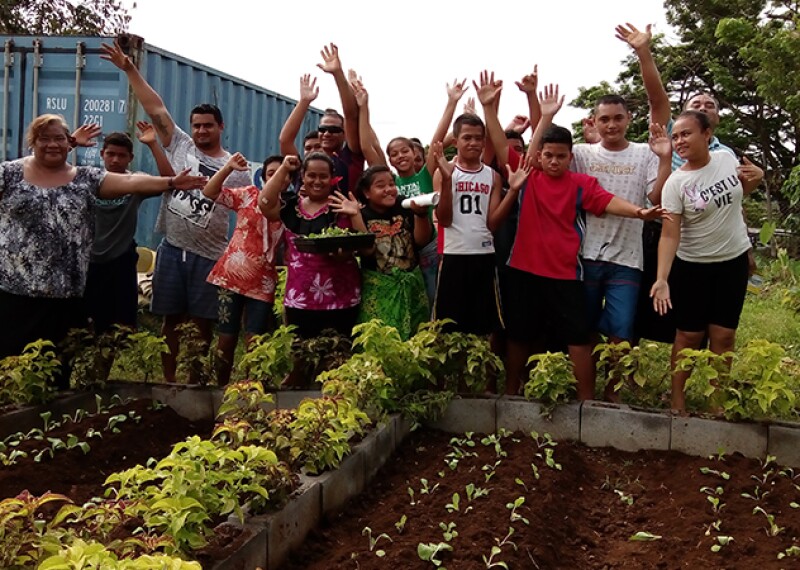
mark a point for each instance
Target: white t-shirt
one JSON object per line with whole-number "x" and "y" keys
{"x": 188, "y": 219}
{"x": 710, "y": 203}
{"x": 629, "y": 174}
{"x": 469, "y": 232}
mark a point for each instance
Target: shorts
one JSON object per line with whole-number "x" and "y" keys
{"x": 467, "y": 293}
{"x": 648, "y": 323}
{"x": 708, "y": 293}
{"x": 258, "y": 315}
{"x": 429, "y": 265}
{"x": 112, "y": 292}
{"x": 310, "y": 323}
{"x": 180, "y": 286}
{"x": 546, "y": 309}
{"x": 618, "y": 286}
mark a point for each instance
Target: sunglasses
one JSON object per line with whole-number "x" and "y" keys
{"x": 334, "y": 130}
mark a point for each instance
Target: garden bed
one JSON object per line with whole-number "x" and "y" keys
{"x": 582, "y": 515}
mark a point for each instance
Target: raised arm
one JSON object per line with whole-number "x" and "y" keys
{"x": 661, "y": 146}
{"x": 214, "y": 186}
{"x": 528, "y": 85}
{"x": 549, "y": 103}
{"x": 269, "y": 199}
{"x": 115, "y": 185}
{"x": 657, "y": 98}
{"x": 454, "y": 94}
{"x": 147, "y": 136}
{"x": 294, "y": 122}
{"x": 333, "y": 65}
{"x": 147, "y": 96}
{"x": 444, "y": 209}
{"x": 370, "y": 146}
{"x": 488, "y": 91}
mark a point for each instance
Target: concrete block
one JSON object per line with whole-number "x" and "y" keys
{"x": 127, "y": 391}
{"x": 251, "y": 554}
{"x": 191, "y": 402}
{"x": 784, "y": 443}
{"x": 701, "y": 436}
{"x": 292, "y": 398}
{"x": 216, "y": 399}
{"x": 515, "y": 413}
{"x": 287, "y": 529}
{"x": 468, "y": 414}
{"x": 26, "y": 418}
{"x": 402, "y": 429}
{"x": 377, "y": 448}
{"x": 618, "y": 426}
{"x": 342, "y": 484}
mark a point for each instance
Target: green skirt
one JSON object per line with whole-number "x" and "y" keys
{"x": 397, "y": 298}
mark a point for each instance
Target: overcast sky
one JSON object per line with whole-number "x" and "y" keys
{"x": 405, "y": 51}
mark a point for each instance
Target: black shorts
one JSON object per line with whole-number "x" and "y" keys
{"x": 649, "y": 324}
{"x": 708, "y": 293}
{"x": 545, "y": 309}
{"x": 112, "y": 293}
{"x": 310, "y": 323}
{"x": 466, "y": 292}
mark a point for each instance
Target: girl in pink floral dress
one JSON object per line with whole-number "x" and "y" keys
{"x": 323, "y": 291}
{"x": 245, "y": 273}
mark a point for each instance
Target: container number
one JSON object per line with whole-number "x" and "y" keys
{"x": 104, "y": 106}
{"x": 89, "y": 119}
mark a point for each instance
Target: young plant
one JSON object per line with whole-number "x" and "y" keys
{"x": 551, "y": 380}
{"x": 644, "y": 536}
{"x": 427, "y": 489}
{"x": 196, "y": 362}
{"x": 491, "y": 562}
{"x": 722, "y": 541}
{"x": 430, "y": 552}
{"x": 453, "y": 505}
{"x": 373, "y": 541}
{"x": 474, "y": 492}
{"x": 449, "y": 531}
{"x": 401, "y": 524}
{"x": 515, "y": 516}
{"x": 270, "y": 356}
{"x": 28, "y": 378}
{"x": 773, "y": 529}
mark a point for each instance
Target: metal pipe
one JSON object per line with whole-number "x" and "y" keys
{"x": 8, "y": 63}
{"x": 80, "y": 63}
{"x": 37, "y": 63}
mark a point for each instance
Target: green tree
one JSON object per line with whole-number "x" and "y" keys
{"x": 63, "y": 17}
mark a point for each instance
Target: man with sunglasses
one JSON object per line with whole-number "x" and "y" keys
{"x": 338, "y": 134}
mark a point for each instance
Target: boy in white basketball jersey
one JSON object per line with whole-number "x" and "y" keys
{"x": 470, "y": 208}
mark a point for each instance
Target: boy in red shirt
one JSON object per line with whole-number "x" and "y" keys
{"x": 546, "y": 274}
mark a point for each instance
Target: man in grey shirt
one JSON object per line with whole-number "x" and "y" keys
{"x": 195, "y": 228}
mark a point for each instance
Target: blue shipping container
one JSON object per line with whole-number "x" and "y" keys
{"x": 65, "y": 75}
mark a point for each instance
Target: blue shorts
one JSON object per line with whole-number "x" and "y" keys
{"x": 429, "y": 265}
{"x": 180, "y": 286}
{"x": 618, "y": 286}
{"x": 258, "y": 315}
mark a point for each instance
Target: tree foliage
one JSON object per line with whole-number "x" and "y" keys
{"x": 63, "y": 17}
{"x": 746, "y": 53}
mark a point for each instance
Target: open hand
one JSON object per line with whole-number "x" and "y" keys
{"x": 659, "y": 292}
{"x": 115, "y": 55}
{"x": 330, "y": 59}
{"x": 444, "y": 166}
{"x": 361, "y": 94}
{"x": 516, "y": 178}
{"x": 659, "y": 142}
{"x": 590, "y": 133}
{"x": 488, "y": 89}
{"x": 549, "y": 101}
{"x": 145, "y": 132}
{"x": 633, "y": 37}
{"x": 347, "y": 205}
{"x": 308, "y": 88}
{"x": 85, "y": 134}
{"x": 654, "y": 213}
{"x": 530, "y": 82}
{"x": 456, "y": 90}
{"x": 185, "y": 181}
{"x": 519, "y": 124}
{"x": 469, "y": 105}
{"x": 749, "y": 172}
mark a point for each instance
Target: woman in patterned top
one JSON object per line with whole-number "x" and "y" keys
{"x": 46, "y": 233}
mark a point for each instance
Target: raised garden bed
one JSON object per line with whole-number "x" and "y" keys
{"x": 582, "y": 515}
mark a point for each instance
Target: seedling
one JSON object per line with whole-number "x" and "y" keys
{"x": 431, "y": 551}
{"x": 401, "y": 524}
{"x": 491, "y": 562}
{"x": 791, "y": 551}
{"x": 627, "y": 499}
{"x": 411, "y": 494}
{"x": 720, "y": 455}
{"x": 716, "y": 505}
{"x": 426, "y": 488}
{"x": 546, "y": 440}
{"x": 722, "y": 541}
{"x": 644, "y": 536}
{"x": 709, "y": 471}
{"x": 757, "y": 494}
{"x": 515, "y": 516}
{"x": 496, "y": 441}
{"x": 449, "y": 531}
{"x": 535, "y": 471}
{"x": 373, "y": 541}
{"x": 474, "y": 492}
{"x": 506, "y": 539}
{"x": 716, "y": 526}
{"x": 774, "y": 529}
{"x": 549, "y": 460}
{"x": 113, "y": 421}
{"x": 454, "y": 504}
{"x": 521, "y": 483}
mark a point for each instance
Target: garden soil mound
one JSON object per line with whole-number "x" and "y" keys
{"x": 580, "y": 517}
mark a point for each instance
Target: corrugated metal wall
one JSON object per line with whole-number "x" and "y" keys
{"x": 51, "y": 74}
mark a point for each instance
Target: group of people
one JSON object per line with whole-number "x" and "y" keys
{"x": 534, "y": 248}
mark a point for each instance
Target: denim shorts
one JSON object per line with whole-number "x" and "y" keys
{"x": 258, "y": 315}
{"x": 180, "y": 286}
{"x": 612, "y": 294}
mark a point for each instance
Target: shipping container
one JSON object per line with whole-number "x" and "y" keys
{"x": 65, "y": 75}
